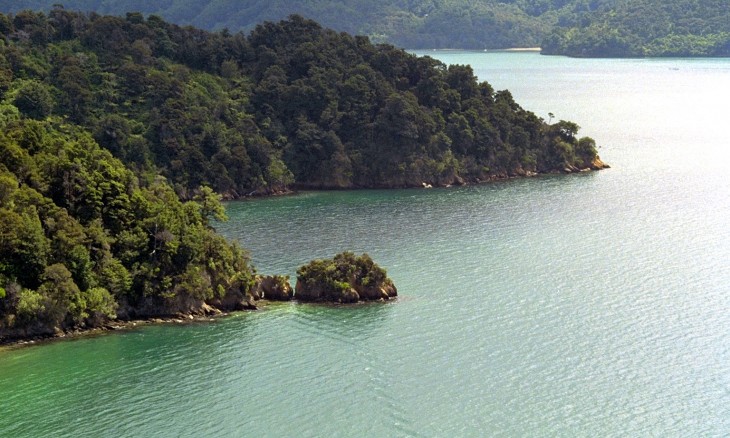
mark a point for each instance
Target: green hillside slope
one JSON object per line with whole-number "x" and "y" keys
{"x": 627, "y": 28}
{"x": 292, "y": 104}
{"x": 477, "y": 24}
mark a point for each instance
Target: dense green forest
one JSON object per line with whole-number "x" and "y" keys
{"x": 291, "y": 104}
{"x": 628, "y": 28}
{"x": 82, "y": 242}
{"x": 476, "y": 24}
{"x": 118, "y": 134}
{"x": 568, "y": 27}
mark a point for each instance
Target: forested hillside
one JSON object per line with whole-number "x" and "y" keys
{"x": 569, "y": 27}
{"x": 106, "y": 123}
{"x": 291, "y": 104}
{"x": 475, "y": 24}
{"x": 81, "y": 242}
{"x": 626, "y": 28}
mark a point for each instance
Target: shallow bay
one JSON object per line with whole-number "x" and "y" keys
{"x": 585, "y": 305}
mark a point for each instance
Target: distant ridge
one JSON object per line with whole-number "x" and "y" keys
{"x": 596, "y": 28}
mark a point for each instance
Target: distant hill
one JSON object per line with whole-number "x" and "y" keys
{"x": 628, "y": 28}
{"x": 475, "y": 24}
{"x": 585, "y": 28}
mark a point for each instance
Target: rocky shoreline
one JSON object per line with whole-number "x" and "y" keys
{"x": 358, "y": 279}
{"x": 202, "y": 316}
{"x": 267, "y": 288}
{"x": 157, "y": 312}
{"x": 123, "y": 325}
{"x": 450, "y": 180}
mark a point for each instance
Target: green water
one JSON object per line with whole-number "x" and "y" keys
{"x": 586, "y": 305}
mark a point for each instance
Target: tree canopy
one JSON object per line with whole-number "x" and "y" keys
{"x": 292, "y": 104}
{"x": 119, "y": 136}
{"x": 81, "y": 241}
{"x": 345, "y": 278}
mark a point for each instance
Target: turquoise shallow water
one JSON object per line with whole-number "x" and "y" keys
{"x": 585, "y": 305}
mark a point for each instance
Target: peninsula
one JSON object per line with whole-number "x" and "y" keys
{"x": 120, "y": 136}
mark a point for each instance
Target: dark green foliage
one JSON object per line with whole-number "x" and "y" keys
{"x": 79, "y": 238}
{"x": 345, "y": 278}
{"x": 628, "y": 28}
{"x": 292, "y": 104}
{"x": 34, "y": 100}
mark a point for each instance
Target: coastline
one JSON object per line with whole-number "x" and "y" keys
{"x": 107, "y": 328}
{"x": 181, "y": 319}
{"x": 123, "y": 325}
{"x": 507, "y": 49}
{"x": 449, "y": 181}
{"x": 521, "y": 49}
{"x": 210, "y": 313}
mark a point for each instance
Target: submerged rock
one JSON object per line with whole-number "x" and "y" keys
{"x": 346, "y": 278}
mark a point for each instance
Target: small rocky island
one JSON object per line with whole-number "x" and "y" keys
{"x": 346, "y": 278}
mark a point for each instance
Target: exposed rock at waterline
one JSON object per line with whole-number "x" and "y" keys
{"x": 273, "y": 288}
{"x": 597, "y": 164}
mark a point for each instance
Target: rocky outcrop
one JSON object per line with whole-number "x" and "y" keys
{"x": 273, "y": 288}
{"x": 597, "y": 164}
{"x": 383, "y": 291}
{"x": 35, "y": 330}
{"x": 346, "y": 278}
{"x": 234, "y": 299}
{"x": 594, "y": 164}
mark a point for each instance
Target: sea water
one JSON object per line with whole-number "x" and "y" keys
{"x": 587, "y": 305}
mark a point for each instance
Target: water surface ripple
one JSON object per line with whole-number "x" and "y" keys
{"x": 586, "y": 305}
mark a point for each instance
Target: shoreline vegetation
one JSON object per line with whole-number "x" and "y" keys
{"x": 595, "y": 165}
{"x": 121, "y": 136}
{"x": 344, "y": 279}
